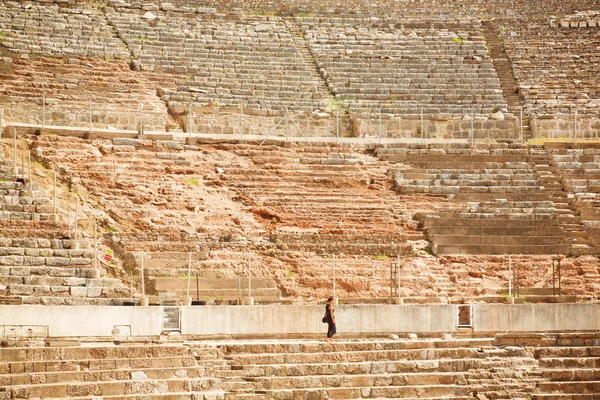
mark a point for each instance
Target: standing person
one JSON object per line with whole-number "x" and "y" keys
{"x": 330, "y": 319}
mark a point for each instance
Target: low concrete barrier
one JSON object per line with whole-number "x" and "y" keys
{"x": 65, "y": 321}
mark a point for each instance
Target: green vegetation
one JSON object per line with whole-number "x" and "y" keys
{"x": 540, "y": 140}
{"x": 192, "y": 181}
{"x": 457, "y": 40}
{"x": 381, "y": 257}
{"x": 4, "y": 34}
{"x": 337, "y": 104}
{"x": 290, "y": 275}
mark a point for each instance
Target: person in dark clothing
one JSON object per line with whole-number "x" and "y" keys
{"x": 330, "y": 319}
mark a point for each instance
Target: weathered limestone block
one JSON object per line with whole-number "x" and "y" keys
{"x": 78, "y": 291}
{"x": 58, "y": 261}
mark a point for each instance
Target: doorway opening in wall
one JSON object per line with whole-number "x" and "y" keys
{"x": 171, "y": 319}
{"x": 465, "y": 316}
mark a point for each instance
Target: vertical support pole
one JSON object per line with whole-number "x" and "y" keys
{"x": 241, "y": 122}
{"x": 95, "y": 244}
{"x": 76, "y": 217}
{"x": 472, "y": 132}
{"x": 189, "y": 128}
{"x": 553, "y": 277}
{"x": 287, "y": 128}
{"x": 559, "y": 280}
{"x": 44, "y": 110}
{"x": 249, "y": 278}
{"x": 509, "y": 276}
{"x": 521, "y": 125}
{"x": 334, "y": 285}
{"x": 15, "y": 150}
{"x": 29, "y": 164}
{"x": 391, "y": 280}
{"x": 141, "y": 128}
{"x": 142, "y": 267}
{"x": 575, "y": 128}
{"x": 422, "y": 126}
{"x": 1, "y": 128}
{"x": 91, "y": 113}
{"x": 380, "y": 129}
{"x": 54, "y": 195}
{"x": 337, "y": 126}
{"x": 240, "y": 284}
{"x": 398, "y": 276}
{"x": 189, "y": 277}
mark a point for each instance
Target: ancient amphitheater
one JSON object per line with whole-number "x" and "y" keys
{"x": 184, "y": 183}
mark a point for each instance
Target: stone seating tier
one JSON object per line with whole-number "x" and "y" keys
{"x": 52, "y": 30}
{"x": 70, "y": 84}
{"x": 227, "y": 59}
{"x": 402, "y": 72}
{"x": 555, "y": 67}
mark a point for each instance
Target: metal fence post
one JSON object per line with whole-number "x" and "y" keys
{"x": 337, "y": 126}
{"x": 249, "y": 280}
{"x": 509, "y": 276}
{"x": 521, "y": 125}
{"x": 91, "y": 113}
{"x": 44, "y": 110}
{"x": 398, "y": 276}
{"x": 142, "y": 274}
{"x": 141, "y": 128}
{"x": 575, "y": 128}
{"x": 380, "y": 127}
{"x": 1, "y": 128}
{"x": 189, "y": 277}
{"x": 16, "y": 171}
{"x": 334, "y": 283}
{"x": 241, "y": 121}
{"x": 95, "y": 244}
{"x": 76, "y": 216}
{"x": 54, "y": 196}
{"x": 422, "y": 126}
{"x": 287, "y": 116}
{"x": 189, "y": 127}
{"x": 472, "y": 133}
{"x": 29, "y": 164}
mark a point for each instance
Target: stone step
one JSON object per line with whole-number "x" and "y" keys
{"x": 360, "y": 356}
{"x": 420, "y": 391}
{"x": 500, "y": 249}
{"x": 371, "y": 380}
{"x": 494, "y": 240}
{"x": 171, "y": 395}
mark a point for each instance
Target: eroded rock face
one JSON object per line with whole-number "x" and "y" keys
{"x": 297, "y": 212}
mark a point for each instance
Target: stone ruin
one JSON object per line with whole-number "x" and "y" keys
{"x": 148, "y": 114}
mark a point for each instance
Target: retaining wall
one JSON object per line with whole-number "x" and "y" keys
{"x": 65, "y": 321}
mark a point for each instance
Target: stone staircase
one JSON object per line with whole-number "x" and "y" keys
{"x": 578, "y": 170}
{"x": 567, "y": 364}
{"x": 381, "y": 369}
{"x": 506, "y": 76}
{"x": 508, "y": 200}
